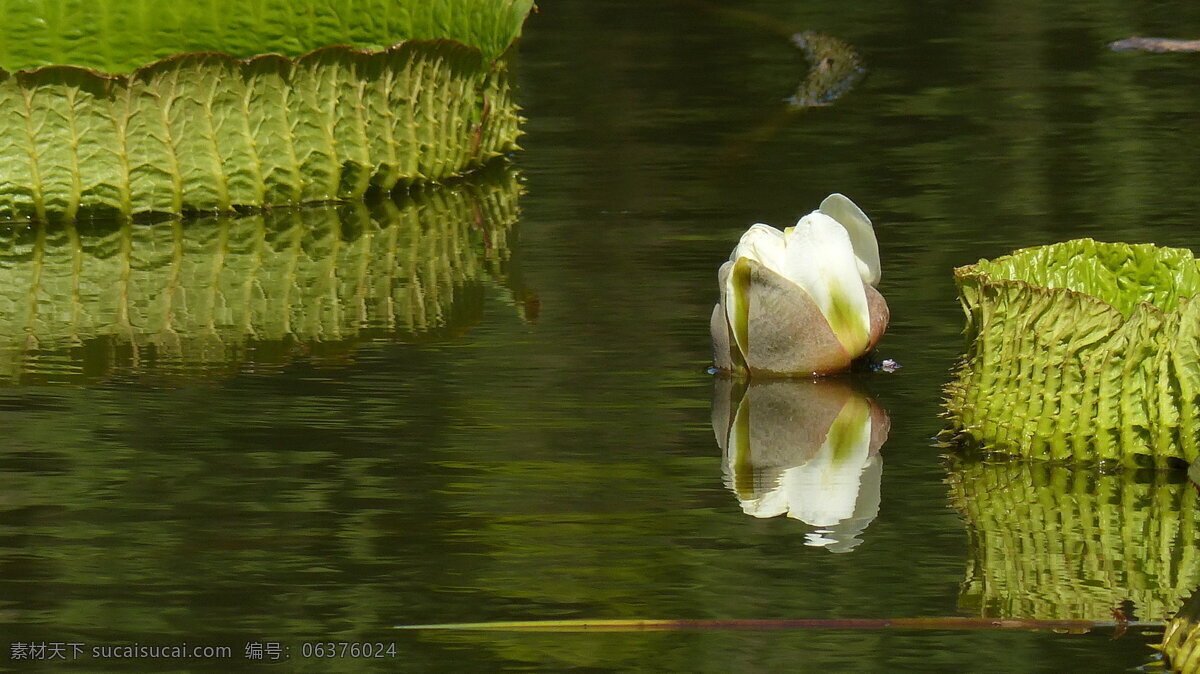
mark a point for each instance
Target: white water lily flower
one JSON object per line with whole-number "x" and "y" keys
{"x": 802, "y": 300}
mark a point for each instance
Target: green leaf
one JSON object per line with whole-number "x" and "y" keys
{"x": 207, "y": 132}
{"x": 118, "y": 36}
{"x": 1081, "y": 351}
{"x": 203, "y": 295}
{"x": 1121, "y": 275}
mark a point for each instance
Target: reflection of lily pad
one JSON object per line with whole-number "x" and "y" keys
{"x": 1082, "y": 351}
{"x": 1050, "y": 542}
{"x": 204, "y": 131}
{"x": 82, "y": 299}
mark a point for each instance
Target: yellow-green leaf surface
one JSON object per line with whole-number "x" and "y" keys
{"x": 230, "y": 104}
{"x": 1081, "y": 351}
{"x": 1049, "y": 542}
{"x": 82, "y": 299}
{"x": 118, "y": 36}
{"x": 207, "y": 132}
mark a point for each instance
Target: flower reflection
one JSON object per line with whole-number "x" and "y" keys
{"x": 807, "y": 449}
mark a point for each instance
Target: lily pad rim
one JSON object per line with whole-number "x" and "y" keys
{"x": 436, "y": 43}
{"x": 972, "y": 272}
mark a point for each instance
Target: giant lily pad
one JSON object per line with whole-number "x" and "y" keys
{"x": 1081, "y": 351}
{"x": 198, "y": 298}
{"x": 211, "y": 131}
{"x": 117, "y": 36}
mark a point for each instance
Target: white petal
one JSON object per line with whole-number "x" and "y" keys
{"x": 862, "y": 233}
{"x": 820, "y": 259}
{"x": 761, "y": 243}
{"x": 735, "y": 295}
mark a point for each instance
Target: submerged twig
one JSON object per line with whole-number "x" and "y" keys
{"x": 938, "y": 623}
{"x": 1158, "y": 45}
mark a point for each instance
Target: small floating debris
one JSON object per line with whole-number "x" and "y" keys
{"x": 1157, "y": 45}
{"x": 834, "y": 69}
{"x": 886, "y": 365}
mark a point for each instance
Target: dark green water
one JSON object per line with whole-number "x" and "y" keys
{"x": 537, "y": 441}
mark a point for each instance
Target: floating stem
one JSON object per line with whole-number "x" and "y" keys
{"x": 935, "y": 623}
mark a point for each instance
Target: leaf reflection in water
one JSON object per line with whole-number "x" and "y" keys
{"x": 1050, "y": 541}
{"x": 208, "y": 295}
{"x": 809, "y": 449}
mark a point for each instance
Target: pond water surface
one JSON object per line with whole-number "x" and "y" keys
{"x": 533, "y": 437}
